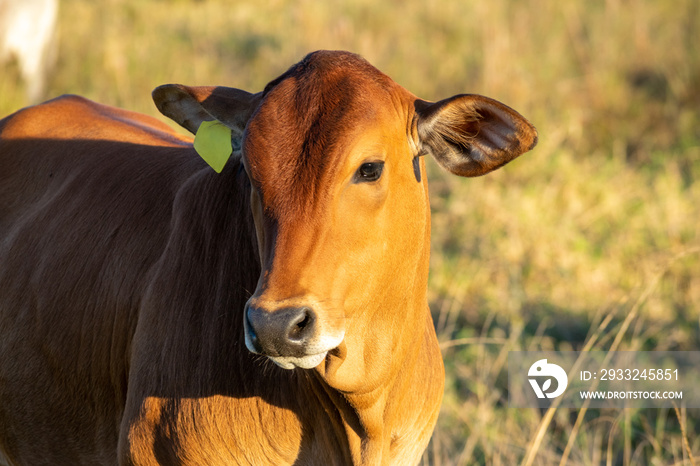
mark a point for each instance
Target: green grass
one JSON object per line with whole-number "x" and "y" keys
{"x": 599, "y": 224}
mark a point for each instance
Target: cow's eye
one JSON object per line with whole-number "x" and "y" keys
{"x": 370, "y": 171}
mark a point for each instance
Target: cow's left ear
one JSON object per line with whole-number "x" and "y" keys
{"x": 190, "y": 106}
{"x": 471, "y": 135}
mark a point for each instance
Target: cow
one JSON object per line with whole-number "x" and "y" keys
{"x": 28, "y": 34}
{"x": 154, "y": 311}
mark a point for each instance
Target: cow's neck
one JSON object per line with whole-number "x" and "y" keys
{"x": 387, "y": 383}
{"x": 391, "y": 419}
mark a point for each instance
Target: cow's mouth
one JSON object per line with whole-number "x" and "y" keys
{"x": 305, "y": 362}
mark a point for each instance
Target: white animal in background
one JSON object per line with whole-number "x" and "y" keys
{"x": 28, "y": 34}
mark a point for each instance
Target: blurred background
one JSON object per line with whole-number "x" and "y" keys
{"x": 590, "y": 241}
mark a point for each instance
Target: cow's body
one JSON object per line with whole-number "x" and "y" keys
{"x": 131, "y": 279}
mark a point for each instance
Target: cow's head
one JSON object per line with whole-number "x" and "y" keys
{"x": 333, "y": 151}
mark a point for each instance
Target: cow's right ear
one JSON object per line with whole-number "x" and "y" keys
{"x": 471, "y": 135}
{"x": 190, "y": 106}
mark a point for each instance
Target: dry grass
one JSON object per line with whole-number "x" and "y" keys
{"x": 594, "y": 235}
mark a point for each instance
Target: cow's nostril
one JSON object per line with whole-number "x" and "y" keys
{"x": 301, "y": 325}
{"x": 304, "y": 322}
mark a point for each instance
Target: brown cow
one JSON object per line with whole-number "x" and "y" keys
{"x": 133, "y": 276}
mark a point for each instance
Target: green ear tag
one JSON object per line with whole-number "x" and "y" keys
{"x": 213, "y": 143}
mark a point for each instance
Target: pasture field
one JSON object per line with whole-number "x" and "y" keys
{"x": 592, "y": 238}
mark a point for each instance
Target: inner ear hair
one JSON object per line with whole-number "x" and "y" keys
{"x": 471, "y": 135}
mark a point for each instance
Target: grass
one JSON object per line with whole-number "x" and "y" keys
{"x": 591, "y": 239}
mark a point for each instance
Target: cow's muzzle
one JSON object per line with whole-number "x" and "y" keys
{"x": 284, "y": 332}
{"x": 289, "y": 336}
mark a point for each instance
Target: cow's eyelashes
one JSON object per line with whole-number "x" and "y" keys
{"x": 368, "y": 172}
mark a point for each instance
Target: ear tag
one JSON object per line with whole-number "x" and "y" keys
{"x": 213, "y": 143}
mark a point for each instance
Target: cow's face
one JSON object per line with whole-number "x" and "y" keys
{"x": 340, "y": 214}
{"x": 333, "y": 151}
